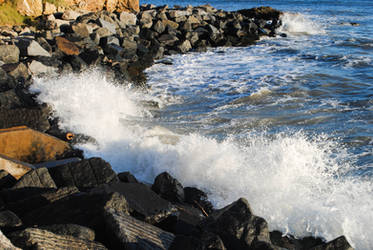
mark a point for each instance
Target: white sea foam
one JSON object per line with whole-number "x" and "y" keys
{"x": 295, "y": 182}
{"x": 299, "y": 24}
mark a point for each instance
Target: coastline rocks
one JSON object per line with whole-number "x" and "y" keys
{"x": 9, "y": 54}
{"x": 5, "y": 243}
{"x": 74, "y": 230}
{"x": 339, "y": 243}
{"x": 168, "y": 187}
{"x": 37, "y": 178}
{"x": 8, "y": 219}
{"x": 31, "y": 48}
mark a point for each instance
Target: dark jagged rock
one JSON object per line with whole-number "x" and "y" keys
{"x": 37, "y": 178}
{"x": 182, "y": 242}
{"x": 8, "y": 219}
{"x": 84, "y": 174}
{"x": 237, "y": 226}
{"x": 35, "y": 238}
{"x": 9, "y": 99}
{"x": 286, "y": 241}
{"x": 6, "y": 179}
{"x": 143, "y": 203}
{"x": 74, "y": 230}
{"x": 22, "y": 201}
{"x": 5, "y": 243}
{"x": 36, "y": 118}
{"x": 212, "y": 241}
{"x": 339, "y": 243}
{"x": 168, "y": 187}
{"x": 267, "y": 13}
{"x": 197, "y": 198}
{"x": 129, "y": 233}
{"x": 29, "y": 47}
{"x": 127, "y": 177}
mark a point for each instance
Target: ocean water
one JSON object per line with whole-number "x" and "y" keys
{"x": 286, "y": 123}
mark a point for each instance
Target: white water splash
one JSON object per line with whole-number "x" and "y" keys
{"x": 294, "y": 182}
{"x": 299, "y": 24}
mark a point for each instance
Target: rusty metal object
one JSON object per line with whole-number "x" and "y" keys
{"x": 31, "y": 146}
{"x": 69, "y": 136}
{"x": 16, "y": 168}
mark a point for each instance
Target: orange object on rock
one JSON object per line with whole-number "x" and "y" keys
{"x": 67, "y": 47}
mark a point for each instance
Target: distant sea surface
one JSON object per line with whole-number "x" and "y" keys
{"x": 286, "y": 123}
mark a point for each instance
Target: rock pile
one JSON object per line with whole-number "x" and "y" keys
{"x": 78, "y": 203}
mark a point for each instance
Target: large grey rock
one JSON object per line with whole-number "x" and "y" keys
{"x": 37, "y": 68}
{"x": 9, "y": 99}
{"x": 5, "y": 243}
{"x": 132, "y": 234}
{"x": 35, "y": 238}
{"x": 74, "y": 230}
{"x": 84, "y": 174}
{"x": 31, "y": 48}
{"x": 127, "y": 19}
{"x": 107, "y": 25}
{"x": 82, "y": 30}
{"x": 237, "y": 226}
{"x": 9, "y": 219}
{"x": 143, "y": 202}
{"x": 70, "y": 15}
{"x": 9, "y": 53}
{"x": 37, "y": 178}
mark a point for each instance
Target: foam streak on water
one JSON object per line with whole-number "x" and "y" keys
{"x": 295, "y": 181}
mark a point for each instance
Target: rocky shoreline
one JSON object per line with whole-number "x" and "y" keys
{"x": 63, "y": 201}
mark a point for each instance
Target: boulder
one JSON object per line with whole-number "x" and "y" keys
{"x": 127, "y": 19}
{"x": 19, "y": 72}
{"x": 111, "y": 5}
{"x": 237, "y": 226}
{"x": 266, "y": 13}
{"x": 9, "y": 99}
{"x": 81, "y": 30}
{"x": 70, "y": 15}
{"x": 167, "y": 39}
{"x": 107, "y": 25}
{"x": 130, "y": 48}
{"x": 67, "y": 47}
{"x": 36, "y": 118}
{"x": 159, "y": 27}
{"x": 37, "y": 178}
{"x": 130, "y": 233}
{"x": 31, "y": 48}
{"x": 212, "y": 241}
{"x": 22, "y": 201}
{"x": 9, "y": 53}
{"x": 287, "y": 241}
{"x": 128, "y": 6}
{"x": 5, "y": 243}
{"x": 168, "y": 187}
{"x": 339, "y": 243}
{"x": 126, "y": 177}
{"x": 84, "y": 174}
{"x": 143, "y": 202}
{"x": 15, "y": 168}
{"x": 91, "y": 5}
{"x": 30, "y": 7}
{"x": 185, "y": 46}
{"x": 49, "y": 8}
{"x": 171, "y": 24}
{"x": 8, "y": 219}
{"x": 74, "y": 230}
{"x": 35, "y": 238}
{"x": 6, "y": 180}
{"x": 37, "y": 69}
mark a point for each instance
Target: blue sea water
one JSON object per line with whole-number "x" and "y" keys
{"x": 286, "y": 123}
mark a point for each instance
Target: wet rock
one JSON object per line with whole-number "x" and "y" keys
{"x": 130, "y": 48}
{"x": 126, "y": 177}
{"x": 35, "y": 238}
{"x": 9, "y": 53}
{"x": 185, "y": 46}
{"x": 310, "y": 241}
{"x": 36, "y": 118}
{"x": 91, "y": 56}
{"x": 212, "y": 241}
{"x": 74, "y": 230}
{"x": 31, "y": 48}
{"x": 339, "y": 243}
{"x": 261, "y": 13}
{"x": 37, "y": 69}
{"x": 9, "y": 99}
{"x": 198, "y": 199}
{"x": 144, "y": 204}
{"x": 37, "y": 178}
{"x": 287, "y": 241}
{"x": 168, "y": 187}
{"x": 5, "y": 243}
{"x": 84, "y": 174}
{"x": 237, "y": 226}
{"x": 76, "y": 62}
{"x": 130, "y": 233}
{"x": 8, "y": 219}
{"x": 67, "y": 47}
{"x": 6, "y": 180}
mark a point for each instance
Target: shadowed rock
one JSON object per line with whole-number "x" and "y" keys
{"x": 168, "y": 187}
{"x": 9, "y": 53}
{"x": 9, "y": 219}
{"x": 130, "y": 233}
{"x": 6, "y": 179}
{"x": 35, "y": 238}
{"x": 339, "y": 243}
{"x": 5, "y": 243}
{"x": 74, "y": 230}
{"x": 37, "y": 178}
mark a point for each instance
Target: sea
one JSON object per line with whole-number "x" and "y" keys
{"x": 286, "y": 123}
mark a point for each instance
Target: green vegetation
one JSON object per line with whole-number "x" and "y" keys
{"x": 10, "y": 16}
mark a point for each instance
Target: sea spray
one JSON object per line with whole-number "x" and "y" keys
{"x": 296, "y": 182}
{"x": 299, "y": 24}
